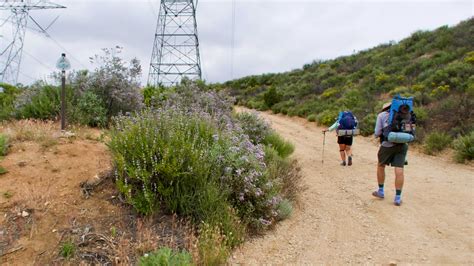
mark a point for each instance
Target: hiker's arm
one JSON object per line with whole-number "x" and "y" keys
{"x": 334, "y": 126}
{"x": 378, "y": 126}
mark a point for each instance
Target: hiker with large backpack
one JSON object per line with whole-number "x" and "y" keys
{"x": 346, "y": 128}
{"x": 395, "y": 127}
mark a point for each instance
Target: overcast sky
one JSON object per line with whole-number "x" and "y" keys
{"x": 270, "y": 36}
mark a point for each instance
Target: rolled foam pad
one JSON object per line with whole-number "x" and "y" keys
{"x": 400, "y": 137}
{"x": 348, "y": 132}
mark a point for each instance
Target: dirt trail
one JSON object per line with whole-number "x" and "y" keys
{"x": 340, "y": 222}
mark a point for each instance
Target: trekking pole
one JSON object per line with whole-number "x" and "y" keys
{"x": 324, "y": 143}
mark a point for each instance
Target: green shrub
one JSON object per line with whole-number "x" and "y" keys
{"x": 367, "y": 124}
{"x": 271, "y": 97}
{"x": 436, "y": 142}
{"x": 283, "y": 147}
{"x": 284, "y": 172}
{"x": 3, "y": 170}
{"x": 7, "y": 99}
{"x": 90, "y": 110}
{"x": 171, "y": 155}
{"x": 3, "y": 145}
{"x": 420, "y": 134}
{"x": 153, "y": 94}
{"x": 67, "y": 250}
{"x": 311, "y": 118}
{"x": 421, "y": 115}
{"x": 285, "y": 209}
{"x": 292, "y": 111}
{"x": 327, "y": 117}
{"x": 464, "y": 147}
{"x": 41, "y": 102}
{"x": 166, "y": 257}
{"x": 257, "y": 105}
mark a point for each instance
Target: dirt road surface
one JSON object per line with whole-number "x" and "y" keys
{"x": 340, "y": 222}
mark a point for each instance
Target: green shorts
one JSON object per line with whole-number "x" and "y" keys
{"x": 394, "y": 156}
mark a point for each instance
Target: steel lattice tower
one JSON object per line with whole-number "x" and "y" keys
{"x": 176, "y": 46}
{"x": 11, "y": 49}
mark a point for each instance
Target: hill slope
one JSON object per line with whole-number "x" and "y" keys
{"x": 434, "y": 66}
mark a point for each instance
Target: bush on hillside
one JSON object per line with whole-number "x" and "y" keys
{"x": 8, "y": 94}
{"x": 3, "y": 145}
{"x": 367, "y": 124}
{"x": 271, "y": 97}
{"x": 327, "y": 117}
{"x": 436, "y": 142}
{"x": 464, "y": 147}
{"x": 311, "y": 118}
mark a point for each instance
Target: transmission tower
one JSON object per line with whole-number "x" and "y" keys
{"x": 11, "y": 49}
{"x": 176, "y": 47}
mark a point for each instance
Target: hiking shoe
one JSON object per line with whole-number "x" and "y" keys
{"x": 397, "y": 201}
{"x": 343, "y": 163}
{"x": 378, "y": 194}
{"x": 349, "y": 161}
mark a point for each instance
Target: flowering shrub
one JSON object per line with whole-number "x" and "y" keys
{"x": 253, "y": 126}
{"x": 92, "y": 98}
{"x": 190, "y": 155}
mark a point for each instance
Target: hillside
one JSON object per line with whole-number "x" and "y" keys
{"x": 436, "y": 67}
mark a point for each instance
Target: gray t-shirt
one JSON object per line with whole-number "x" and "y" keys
{"x": 382, "y": 121}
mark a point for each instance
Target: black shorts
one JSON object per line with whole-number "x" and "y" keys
{"x": 394, "y": 156}
{"x": 345, "y": 140}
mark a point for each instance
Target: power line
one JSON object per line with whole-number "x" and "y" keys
{"x": 28, "y": 76}
{"x": 68, "y": 53}
{"x": 39, "y": 61}
{"x": 34, "y": 58}
{"x": 56, "y": 42}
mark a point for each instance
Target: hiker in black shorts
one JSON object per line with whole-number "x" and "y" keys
{"x": 345, "y": 142}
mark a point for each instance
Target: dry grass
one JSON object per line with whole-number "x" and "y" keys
{"x": 46, "y": 133}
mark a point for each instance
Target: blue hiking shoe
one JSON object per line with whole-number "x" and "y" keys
{"x": 379, "y": 194}
{"x": 398, "y": 200}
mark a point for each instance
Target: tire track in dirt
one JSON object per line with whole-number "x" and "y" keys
{"x": 340, "y": 222}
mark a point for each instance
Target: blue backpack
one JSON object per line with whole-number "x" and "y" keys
{"x": 402, "y": 119}
{"x": 346, "y": 120}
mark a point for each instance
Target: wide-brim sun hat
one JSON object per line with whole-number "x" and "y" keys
{"x": 386, "y": 105}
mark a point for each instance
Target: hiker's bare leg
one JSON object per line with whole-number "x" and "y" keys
{"x": 399, "y": 178}
{"x": 381, "y": 173}
{"x": 342, "y": 151}
{"x": 348, "y": 150}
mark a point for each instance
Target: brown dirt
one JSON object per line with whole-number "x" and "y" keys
{"x": 45, "y": 172}
{"x": 44, "y": 181}
{"x": 339, "y": 222}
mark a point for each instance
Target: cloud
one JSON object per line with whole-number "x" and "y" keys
{"x": 270, "y": 36}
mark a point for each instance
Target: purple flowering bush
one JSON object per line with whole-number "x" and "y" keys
{"x": 190, "y": 155}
